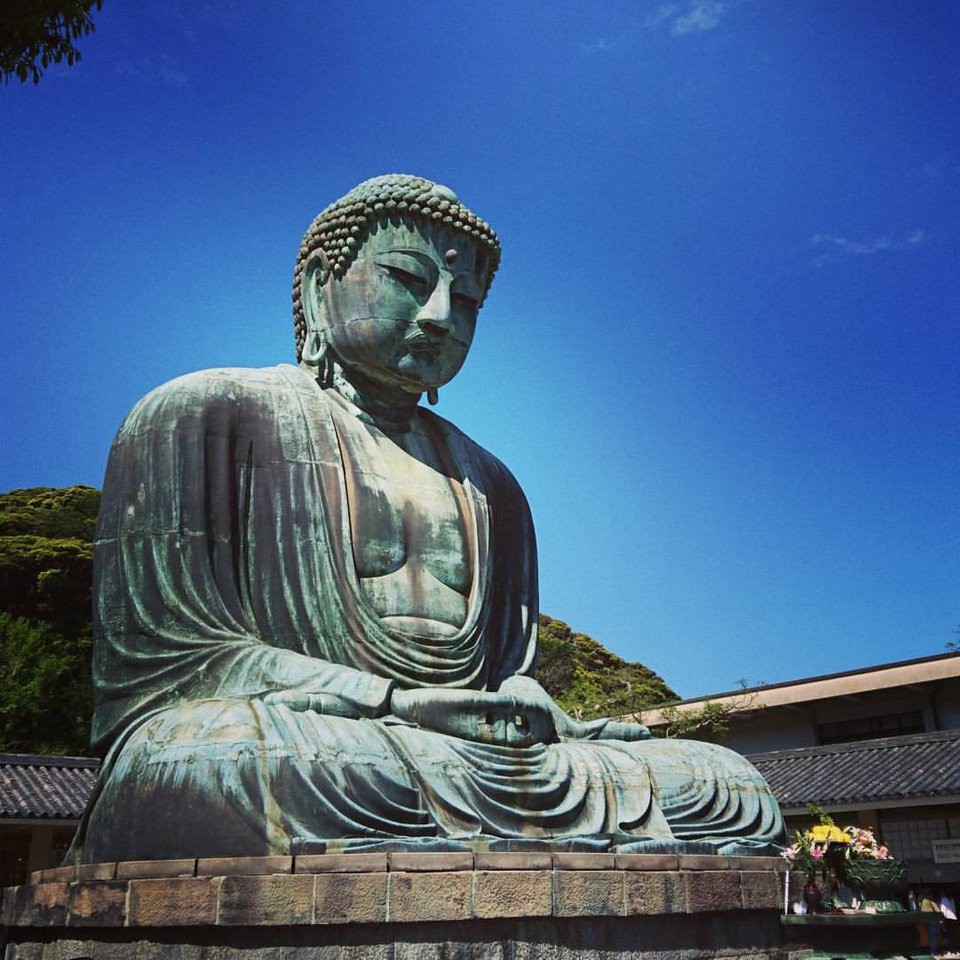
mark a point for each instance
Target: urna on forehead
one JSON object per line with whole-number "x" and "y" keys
{"x": 341, "y": 228}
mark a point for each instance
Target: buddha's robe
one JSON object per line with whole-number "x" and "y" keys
{"x": 224, "y": 572}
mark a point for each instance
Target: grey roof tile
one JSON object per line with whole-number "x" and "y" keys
{"x": 56, "y": 788}
{"x": 890, "y": 768}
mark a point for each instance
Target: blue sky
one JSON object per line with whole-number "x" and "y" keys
{"x": 721, "y": 354}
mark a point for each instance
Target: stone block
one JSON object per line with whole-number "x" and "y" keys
{"x": 96, "y": 871}
{"x": 588, "y": 893}
{"x": 760, "y": 889}
{"x": 151, "y": 869}
{"x": 759, "y": 863}
{"x": 24, "y": 951}
{"x": 583, "y": 861}
{"x": 512, "y": 893}
{"x": 544, "y": 948}
{"x": 54, "y": 875}
{"x": 350, "y": 897}
{"x": 654, "y": 892}
{"x": 424, "y": 862}
{"x": 712, "y": 890}
{"x": 42, "y": 905}
{"x": 266, "y": 900}
{"x": 366, "y": 951}
{"x": 430, "y": 896}
{"x": 99, "y": 903}
{"x": 496, "y": 860}
{"x": 173, "y": 902}
{"x": 341, "y": 863}
{"x": 243, "y": 866}
{"x": 695, "y": 861}
{"x": 482, "y": 949}
{"x": 646, "y": 861}
{"x": 8, "y": 906}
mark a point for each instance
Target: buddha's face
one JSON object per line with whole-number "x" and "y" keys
{"x": 404, "y": 312}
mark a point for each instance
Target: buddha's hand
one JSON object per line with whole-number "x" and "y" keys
{"x": 567, "y": 727}
{"x": 325, "y": 703}
{"x": 503, "y": 719}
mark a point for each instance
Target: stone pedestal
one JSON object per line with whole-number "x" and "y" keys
{"x": 401, "y": 905}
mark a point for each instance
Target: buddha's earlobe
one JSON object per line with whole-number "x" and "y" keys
{"x": 316, "y": 354}
{"x": 433, "y": 396}
{"x": 314, "y": 349}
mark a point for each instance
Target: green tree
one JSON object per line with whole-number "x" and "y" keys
{"x": 46, "y": 697}
{"x": 708, "y": 722}
{"x": 46, "y": 554}
{"x": 36, "y": 33}
{"x": 46, "y": 568}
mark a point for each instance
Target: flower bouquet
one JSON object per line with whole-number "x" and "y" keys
{"x": 854, "y": 854}
{"x": 814, "y": 851}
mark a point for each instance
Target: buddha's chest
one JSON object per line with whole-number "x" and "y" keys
{"x": 410, "y": 531}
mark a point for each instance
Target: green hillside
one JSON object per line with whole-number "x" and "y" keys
{"x": 46, "y": 565}
{"x": 589, "y": 681}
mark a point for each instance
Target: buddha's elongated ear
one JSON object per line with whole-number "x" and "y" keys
{"x": 316, "y": 274}
{"x": 315, "y": 351}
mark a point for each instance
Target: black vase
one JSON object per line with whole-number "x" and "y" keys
{"x": 813, "y": 897}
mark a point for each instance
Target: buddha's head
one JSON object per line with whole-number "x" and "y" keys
{"x": 389, "y": 281}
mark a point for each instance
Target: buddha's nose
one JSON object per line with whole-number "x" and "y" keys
{"x": 434, "y": 315}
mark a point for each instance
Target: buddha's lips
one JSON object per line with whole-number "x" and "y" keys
{"x": 423, "y": 345}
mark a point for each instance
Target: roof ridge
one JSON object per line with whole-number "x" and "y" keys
{"x": 43, "y": 760}
{"x": 801, "y": 681}
{"x": 855, "y": 746}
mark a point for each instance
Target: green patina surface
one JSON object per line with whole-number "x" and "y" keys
{"x": 316, "y": 601}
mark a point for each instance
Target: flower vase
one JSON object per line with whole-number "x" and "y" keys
{"x": 876, "y": 879}
{"x": 813, "y": 897}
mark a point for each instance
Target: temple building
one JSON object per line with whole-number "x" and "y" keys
{"x": 41, "y": 801}
{"x": 877, "y": 747}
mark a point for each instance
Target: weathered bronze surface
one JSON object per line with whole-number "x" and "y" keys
{"x": 317, "y": 600}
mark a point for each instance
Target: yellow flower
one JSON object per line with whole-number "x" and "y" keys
{"x": 828, "y": 833}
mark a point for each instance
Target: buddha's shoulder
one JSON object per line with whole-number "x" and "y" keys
{"x": 234, "y": 389}
{"x": 469, "y": 451}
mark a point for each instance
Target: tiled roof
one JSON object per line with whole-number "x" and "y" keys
{"x": 53, "y": 788}
{"x": 922, "y": 765}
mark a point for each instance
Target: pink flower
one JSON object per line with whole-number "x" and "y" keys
{"x": 816, "y": 853}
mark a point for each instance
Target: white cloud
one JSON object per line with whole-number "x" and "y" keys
{"x": 700, "y": 15}
{"x": 173, "y": 77}
{"x": 678, "y": 17}
{"x": 600, "y": 45}
{"x": 154, "y": 68}
{"x": 835, "y": 248}
{"x": 659, "y": 16}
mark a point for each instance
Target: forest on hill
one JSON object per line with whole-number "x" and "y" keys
{"x": 46, "y": 566}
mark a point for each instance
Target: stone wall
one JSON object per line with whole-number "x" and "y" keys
{"x": 397, "y": 905}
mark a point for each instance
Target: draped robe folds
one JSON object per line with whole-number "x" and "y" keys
{"x": 224, "y": 572}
